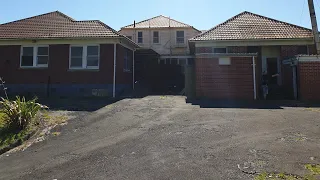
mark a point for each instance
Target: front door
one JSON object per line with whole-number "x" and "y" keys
{"x": 272, "y": 67}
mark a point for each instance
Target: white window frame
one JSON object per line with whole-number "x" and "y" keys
{"x": 184, "y": 37}
{"x": 141, "y": 37}
{"x": 35, "y": 56}
{"x": 84, "y": 57}
{"x": 158, "y": 37}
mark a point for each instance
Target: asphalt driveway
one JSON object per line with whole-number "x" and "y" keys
{"x": 159, "y": 137}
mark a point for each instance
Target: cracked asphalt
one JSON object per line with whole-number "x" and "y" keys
{"x": 159, "y": 137}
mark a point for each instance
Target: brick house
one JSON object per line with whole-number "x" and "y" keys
{"x": 53, "y": 54}
{"x": 231, "y": 57}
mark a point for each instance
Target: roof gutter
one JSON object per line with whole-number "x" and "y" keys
{"x": 250, "y": 40}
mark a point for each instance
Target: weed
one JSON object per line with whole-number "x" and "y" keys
{"x": 313, "y": 168}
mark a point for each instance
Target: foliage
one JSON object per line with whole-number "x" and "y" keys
{"x": 281, "y": 176}
{"x": 3, "y": 87}
{"x": 313, "y": 168}
{"x": 20, "y": 112}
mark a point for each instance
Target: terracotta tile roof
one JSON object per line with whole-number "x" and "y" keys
{"x": 55, "y": 25}
{"x": 158, "y": 22}
{"x": 246, "y": 26}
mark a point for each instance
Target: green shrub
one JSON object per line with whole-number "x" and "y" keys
{"x": 20, "y": 112}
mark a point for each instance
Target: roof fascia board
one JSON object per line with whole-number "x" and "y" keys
{"x": 146, "y": 28}
{"x": 253, "y": 42}
{"x": 60, "y": 41}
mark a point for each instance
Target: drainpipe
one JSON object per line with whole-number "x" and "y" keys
{"x": 114, "y": 69}
{"x": 254, "y": 78}
{"x": 133, "y": 68}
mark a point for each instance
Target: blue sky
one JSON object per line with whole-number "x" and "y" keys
{"x": 202, "y": 14}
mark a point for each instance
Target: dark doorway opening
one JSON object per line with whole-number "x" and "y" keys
{"x": 272, "y": 64}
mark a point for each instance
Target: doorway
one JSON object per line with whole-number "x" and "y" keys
{"x": 272, "y": 67}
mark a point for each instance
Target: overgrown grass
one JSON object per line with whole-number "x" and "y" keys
{"x": 313, "y": 168}
{"x": 9, "y": 136}
{"x": 277, "y": 176}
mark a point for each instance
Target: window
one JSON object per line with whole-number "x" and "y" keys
{"x": 34, "y": 56}
{"x": 224, "y": 61}
{"x": 127, "y": 66}
{"x": 130, "y": 37}
{"x": 219, "y": 50}
{"x": 155, "y": 37}
{"x": 180, "y": 37}
{"x": 84, "y": 57}
{"x": 140, "y": 38}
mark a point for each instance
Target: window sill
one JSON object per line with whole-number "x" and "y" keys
{"x": 34, "y": 67}
{"x": 90, "y": 70}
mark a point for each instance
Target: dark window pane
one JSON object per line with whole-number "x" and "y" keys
{"x": 302, "y": 50}
{"x": 92, "y": 61}
{"x": 155, "y": 39}
{"x": 174, "y": 61}
{"x": 43, "y": 50}
{"x": 180, "y": 40}
{"x": 43, "y": 60}
{"x": 27, "y": 51}
{"x": 76, "y": 51}
{"x": 92, "y": 50}
{"x": 180, "y": 33}
{"x": 27, "y": 61}
{"x": 155, "y": 33}
{"x": 180, "y": 36}
{"x": 220, "y": 50}
{"x": 76, "y": 62}
{"x": 252, "y": 49}
{"x": 140, "y": 37}
{"x": 162, "y": 61}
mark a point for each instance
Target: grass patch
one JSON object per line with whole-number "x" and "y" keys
{"x": 56, "y": 133}
{"x": 313, "y": 168}
{"x": 52, "y": 120}
{"x": 277, "y": 176}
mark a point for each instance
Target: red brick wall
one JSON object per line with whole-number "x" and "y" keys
{"x": 216, "y": 81}
{"x": 58, "y": 69}
{"x": 309, "y": 80}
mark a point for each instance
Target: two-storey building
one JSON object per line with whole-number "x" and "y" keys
{"x": 166, "y": 36}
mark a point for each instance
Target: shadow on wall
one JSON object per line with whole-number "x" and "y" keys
{"x": 258, "y": 104}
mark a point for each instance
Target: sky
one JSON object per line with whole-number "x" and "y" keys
{"x": 201, "y": 14}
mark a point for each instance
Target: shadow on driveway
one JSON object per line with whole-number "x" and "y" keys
{"x": 258, "y": 104}
{"x": 77, "y": 104}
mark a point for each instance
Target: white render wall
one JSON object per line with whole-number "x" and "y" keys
{"x": 167, "y": 39}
